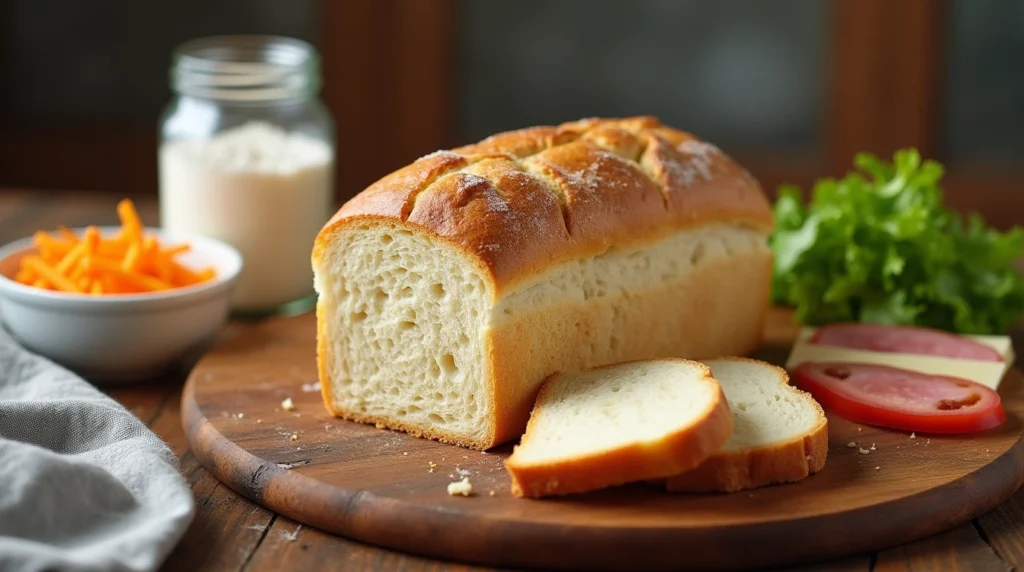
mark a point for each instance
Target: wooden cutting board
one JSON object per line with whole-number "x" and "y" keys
{"x": 379, "y": 486}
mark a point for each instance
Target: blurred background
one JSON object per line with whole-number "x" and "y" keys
{"x": 791, "y": 88}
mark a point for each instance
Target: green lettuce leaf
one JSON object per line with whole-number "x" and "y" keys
{"x": 879, "y": 246}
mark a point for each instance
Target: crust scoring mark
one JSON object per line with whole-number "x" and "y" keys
{"x": 453, "y": 162}
{"x": 540, "y": 174}
{"x": 645, "y": 134}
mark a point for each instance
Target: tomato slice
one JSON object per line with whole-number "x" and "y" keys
{"x": 903, "y": 339}
{"x": 901, "y": 399}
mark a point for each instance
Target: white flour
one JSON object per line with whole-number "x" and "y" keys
{"x": 262, "y": 190}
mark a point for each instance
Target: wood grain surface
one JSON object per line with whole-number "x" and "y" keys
{"x": 389, "y": 489}
{"x": 230, "y": 533}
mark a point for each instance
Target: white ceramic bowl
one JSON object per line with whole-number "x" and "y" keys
{"x": 121, "y": 337}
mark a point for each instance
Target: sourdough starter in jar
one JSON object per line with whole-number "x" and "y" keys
{"x": 262, "y": 190}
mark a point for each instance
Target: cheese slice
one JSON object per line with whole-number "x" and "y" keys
{"x": 987, "y": 373}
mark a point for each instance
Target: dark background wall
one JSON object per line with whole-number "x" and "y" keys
{"x": 792, "y": 88}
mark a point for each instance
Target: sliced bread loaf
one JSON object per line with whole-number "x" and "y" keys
{"x": 780, "y": 432}
{"x": 450, "y": 289}
{"x": 617, "y": 424}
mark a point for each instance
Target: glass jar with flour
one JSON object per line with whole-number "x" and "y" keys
{"x": 247, "y": 156}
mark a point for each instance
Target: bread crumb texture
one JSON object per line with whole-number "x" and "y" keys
{"x": 780, "y": 433}
{"x": 407, "y": 325}
{"x": 608, "y": 408}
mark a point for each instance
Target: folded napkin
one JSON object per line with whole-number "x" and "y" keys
{"x": 84, "y": 485}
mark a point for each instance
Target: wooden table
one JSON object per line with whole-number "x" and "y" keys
{"x": 230, "y": 533}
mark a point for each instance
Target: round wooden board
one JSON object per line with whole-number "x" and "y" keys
{"x": 377, "y": 486}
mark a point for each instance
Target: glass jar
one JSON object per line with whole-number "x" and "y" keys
{"x": 246, "y": 156}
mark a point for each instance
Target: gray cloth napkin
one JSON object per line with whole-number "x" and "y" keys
{"x": 84, "y": 485}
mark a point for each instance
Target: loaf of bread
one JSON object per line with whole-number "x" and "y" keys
{"x": 451, "y": 288}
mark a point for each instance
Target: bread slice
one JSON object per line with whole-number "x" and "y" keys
{"x": 617, "y": 424}
{"x": 780, "y": 434}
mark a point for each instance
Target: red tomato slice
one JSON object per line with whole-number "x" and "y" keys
{"x": 901, "y": 399}
{"x": 903, "y": 339}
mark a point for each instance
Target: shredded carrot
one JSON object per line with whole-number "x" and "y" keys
{"x": 128, "y": 262}
{"x": 142, "y": 282}
{"x": 66, "y": 233}
{"x": 72, "y": 257}
{"x": 78, "y": 271}
{"x": 113, "y": 247}
{"x": 183, "y": 275}
{"x": 47, "y": 272}
{"x": 131, "y": 224}
{"x": 50, "y": 246}
{"x": 92, "y": 238}
{"x": 173, "y": 250}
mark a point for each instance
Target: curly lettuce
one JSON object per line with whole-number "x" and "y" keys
{"x": 879, "y": 246}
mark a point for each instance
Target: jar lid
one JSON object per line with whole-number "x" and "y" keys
{"x": 246, "y": 68}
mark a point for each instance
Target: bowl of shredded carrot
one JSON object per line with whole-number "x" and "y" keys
{"x": 116, "y": 303}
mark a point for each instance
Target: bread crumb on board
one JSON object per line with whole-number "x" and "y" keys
{"x": 294, "y": 437}
{"x": 288, "y": 404}
{"x": 863, "y": 451}
{"x": 851, "y": 444}
{"x": 913, "y": 436}
{"x": 492, "y": 493}
{"x": 432, "y": 465}
{"x": 463, "y": 488}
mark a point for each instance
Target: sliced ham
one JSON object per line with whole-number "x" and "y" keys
{"x": 903, "y": 339}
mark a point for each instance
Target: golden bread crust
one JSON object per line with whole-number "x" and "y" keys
{"x": 523, "y": 201}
